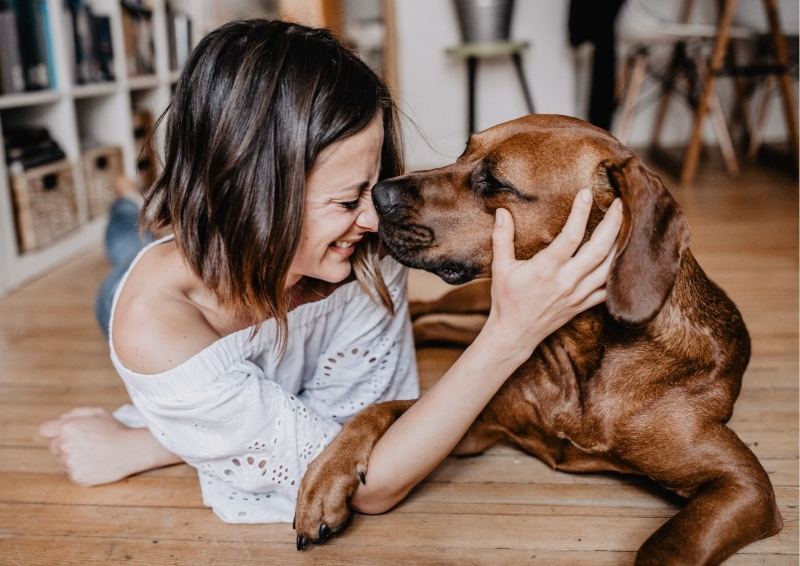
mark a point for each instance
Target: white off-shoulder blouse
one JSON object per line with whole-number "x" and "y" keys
{"x": 250, "y": 420}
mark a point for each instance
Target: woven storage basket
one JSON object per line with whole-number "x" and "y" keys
{"x": 45, "y": 204}
{"x": 102, "y": 166}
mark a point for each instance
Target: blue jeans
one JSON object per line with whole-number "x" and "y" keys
{"x": 123, "y": 242}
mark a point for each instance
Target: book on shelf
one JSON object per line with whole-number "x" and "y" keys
{"x": 137, "y": 27}
{"x": 103, "y": 47}
{"x": 91, "y": 53}
{"x": 29, "y": 147}
{"x": 33, "y": 32}
{"x": 12, "y": 76}
{"x": 179, "y": 32}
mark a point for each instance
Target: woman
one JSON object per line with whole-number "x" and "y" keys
{"x": 268, "y": 317}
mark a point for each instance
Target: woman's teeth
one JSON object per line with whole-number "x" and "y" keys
{"x": 343, "y": 244}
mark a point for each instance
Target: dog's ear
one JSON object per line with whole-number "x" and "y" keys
{"x": 652, "y": 239}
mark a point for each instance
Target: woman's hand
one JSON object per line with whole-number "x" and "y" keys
{"x": 532, "y": 298}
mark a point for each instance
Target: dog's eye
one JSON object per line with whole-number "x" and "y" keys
{"x": 487, "y": 186}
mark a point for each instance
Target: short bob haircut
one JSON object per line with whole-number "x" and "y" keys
{"x": 256, "y": 103}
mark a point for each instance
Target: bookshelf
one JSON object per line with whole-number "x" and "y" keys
{"x": 101, "y": 111}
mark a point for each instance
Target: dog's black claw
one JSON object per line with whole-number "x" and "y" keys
{"x": 325, "y": 532}
{"x": 363, "y": 477}
{"x": 302, "y": 542}
{"x": 294, "y": 524}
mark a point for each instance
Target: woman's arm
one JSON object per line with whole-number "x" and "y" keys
{"x": 530, "y": 299}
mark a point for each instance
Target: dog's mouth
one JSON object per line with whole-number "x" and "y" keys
{"x": 413, "y": 255}
{"x": 455, "y": 273}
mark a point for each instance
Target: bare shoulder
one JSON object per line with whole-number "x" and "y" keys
{"x": 156, "y": 327}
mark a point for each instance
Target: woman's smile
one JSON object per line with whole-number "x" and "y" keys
{"x": 344, "y": 248}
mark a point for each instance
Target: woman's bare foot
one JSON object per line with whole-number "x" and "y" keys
{"x": 95, "y": 448}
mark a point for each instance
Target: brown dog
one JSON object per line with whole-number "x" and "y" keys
{"x": 642, "y": 384}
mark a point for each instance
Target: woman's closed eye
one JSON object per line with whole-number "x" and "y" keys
{"x": 351, "y": 204}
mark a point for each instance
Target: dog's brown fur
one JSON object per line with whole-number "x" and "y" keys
{"x": 643, "y": 384}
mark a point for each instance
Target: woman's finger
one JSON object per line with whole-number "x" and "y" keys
{"x": 596, "y": 250}
{"x": 502, "y": 240}
{"x": 596, "y": 279}
{"x": 571, "y": 236}
{"x": 597, "y": 297}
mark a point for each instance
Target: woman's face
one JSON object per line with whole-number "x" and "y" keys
{"x": 338, "y": 206}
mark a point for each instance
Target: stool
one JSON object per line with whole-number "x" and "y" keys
{"x": 472, "y": 52}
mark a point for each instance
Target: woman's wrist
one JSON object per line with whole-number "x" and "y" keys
{"x": 506, "y": 351}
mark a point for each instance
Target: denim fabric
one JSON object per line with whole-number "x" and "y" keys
{"x": 123, "y": 242}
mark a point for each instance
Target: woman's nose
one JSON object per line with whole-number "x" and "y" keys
{"x": 367, "y": 218}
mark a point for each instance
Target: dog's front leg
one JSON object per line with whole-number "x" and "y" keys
{"x": 323, "y": 501}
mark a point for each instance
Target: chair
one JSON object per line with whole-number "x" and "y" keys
{"x": 700, "y": 54}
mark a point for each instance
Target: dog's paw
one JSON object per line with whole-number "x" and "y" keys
{"x": 323, "y": 501}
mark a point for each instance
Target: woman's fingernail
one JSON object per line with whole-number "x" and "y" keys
{"x": 586, "y": 195}
{"x": 498, "y": 217}
{"x": 617, "y": 205}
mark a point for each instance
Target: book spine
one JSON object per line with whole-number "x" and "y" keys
{"x": 32, "y": 44}
{"x": 13, "y": 76}
{"x": 48, "y": 44}
{"x": 104, "y": 49}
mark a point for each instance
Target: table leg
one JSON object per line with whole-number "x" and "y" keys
{"x": 472, "y": 68}
{"x": 517, "y": 58}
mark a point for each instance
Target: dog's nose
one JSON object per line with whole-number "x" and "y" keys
{"x": 385, "y": 196}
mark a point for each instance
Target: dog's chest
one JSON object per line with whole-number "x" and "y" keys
{"x": 555, "y": 392}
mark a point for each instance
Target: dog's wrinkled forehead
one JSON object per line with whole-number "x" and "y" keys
{"x": 543, "y": 149}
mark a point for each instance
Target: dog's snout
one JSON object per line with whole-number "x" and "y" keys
{"x": 385, "y": 196}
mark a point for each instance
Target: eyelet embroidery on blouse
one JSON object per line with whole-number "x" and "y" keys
{"x": 349, "y": 376}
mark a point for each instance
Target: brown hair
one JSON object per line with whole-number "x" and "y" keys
{"x": 256, "y": 103}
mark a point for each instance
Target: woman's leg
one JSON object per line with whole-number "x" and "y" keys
{"x": 91, "y": 445}
{"x": 95, "y": 448}
{"x": 123, "y": 241}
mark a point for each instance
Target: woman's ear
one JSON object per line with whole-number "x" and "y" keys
{"x": 652, "y": 239}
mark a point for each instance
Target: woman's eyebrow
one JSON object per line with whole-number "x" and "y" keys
{"x": 361, "y": 186}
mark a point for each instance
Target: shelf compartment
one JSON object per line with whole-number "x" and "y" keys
{"x": 34, "y": 98}
{"x": 95, "y": 89}
{"x": 143, "y": 82}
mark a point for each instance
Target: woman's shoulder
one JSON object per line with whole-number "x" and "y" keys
{"x": 155, "y": 325}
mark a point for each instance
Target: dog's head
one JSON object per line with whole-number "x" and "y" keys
{"x": 441, "y": 220}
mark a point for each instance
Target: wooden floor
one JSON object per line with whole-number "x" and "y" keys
{"x": 500, "y": 508}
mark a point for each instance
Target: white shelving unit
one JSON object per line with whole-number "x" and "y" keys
{"x": 101, "y": 111}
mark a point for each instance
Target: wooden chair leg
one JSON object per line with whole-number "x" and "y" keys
{"x": 666, "y": 91}
{"x": 717, "y": 115}
{"x": 757, "y": 124}
{"x": 787, "y": 94}
{"x": 623, "y": 80}
{"x": 717, "y": 58}
{"x": 741, "y": 111}
{"x": 637, "y": 75}
{"x": 720, "y": 125}
{"x": 665, "y": 99}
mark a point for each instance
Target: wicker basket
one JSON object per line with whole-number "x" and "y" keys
{"x": 45, "y": 204}
{"x": 102, "y": 166}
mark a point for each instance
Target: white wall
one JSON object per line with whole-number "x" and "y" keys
{"x": 432, "y": 85}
